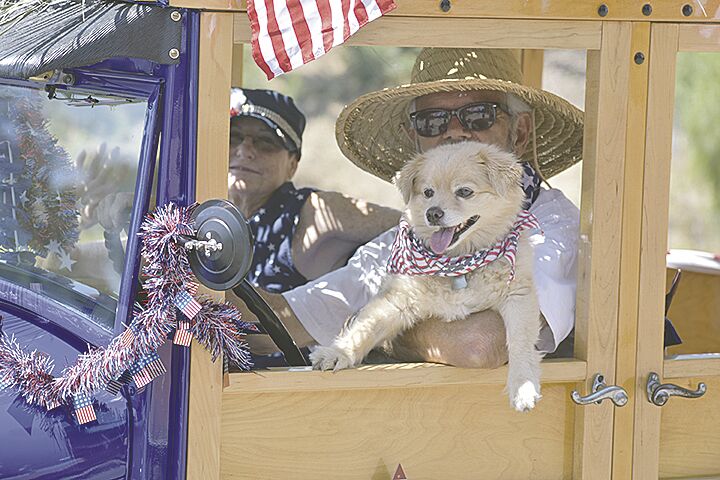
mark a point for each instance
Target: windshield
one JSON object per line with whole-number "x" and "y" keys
{"x": 67, "y": 179}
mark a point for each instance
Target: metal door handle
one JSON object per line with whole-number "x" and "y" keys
{"x": 601, "y": 392}
{"x": 659, "y": 393}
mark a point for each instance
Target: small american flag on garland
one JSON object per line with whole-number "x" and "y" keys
{"x": 84, "y": 410}
{"x": 191, "y": 288}
{"x": 182, "y": 334}
{"x": 154, "y": 366}
{"x": 290, "y": 33}
{"x": 114, "y": 386}
{"x": 139, "y": 375}
{"x": 187, "y": 304}
{"x": 147, "y": 369}
{"x": 126, "y": 339}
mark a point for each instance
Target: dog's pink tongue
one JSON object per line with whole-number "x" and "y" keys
{"x": 440, "y": 240}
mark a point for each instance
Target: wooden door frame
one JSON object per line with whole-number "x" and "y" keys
{"x": 597, "y": 310}
{"x": 213, "y": 144}
{"x": 563, "y": 10}
{"x": 640, "y": 456}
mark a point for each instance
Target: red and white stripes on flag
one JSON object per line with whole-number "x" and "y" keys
{"x": 146, "y": 369}
{"x": 84, "y": 410}
{"x": 290, "y": 33}
{"x": 187, "y": 304}
{"x": 183, "y": 336}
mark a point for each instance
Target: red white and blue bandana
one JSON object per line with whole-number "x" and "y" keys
{"x": 410, "y": 257}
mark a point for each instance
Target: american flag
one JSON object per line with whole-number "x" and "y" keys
{"x": 138, "y": 373}
{"x": 290, "y": 33}
{"x": 147, "y": 369}
{"x": 187, "y": 304}
{"x": 182, "y": 334}
{"x": 84, "y": 410}
{"x": 114, "y": 386}
{"x": 154, "y": 366}
{"x": 191, "y": 287}
{"x": 126, "y": 339}
{"x": 409, "y": 256}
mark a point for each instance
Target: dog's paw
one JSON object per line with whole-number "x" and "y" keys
{"x": 330, "y": 358}
{"x": 524, "y": 398}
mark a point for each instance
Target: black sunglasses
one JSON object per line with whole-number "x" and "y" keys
{"x": 432, "y": 122}
{"x": 265, "y": 143}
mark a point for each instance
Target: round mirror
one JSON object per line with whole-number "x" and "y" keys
{"x": 224, "y": 268}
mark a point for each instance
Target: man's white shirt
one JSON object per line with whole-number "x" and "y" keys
{"x": 323, "y": 305}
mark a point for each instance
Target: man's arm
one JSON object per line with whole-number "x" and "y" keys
{"x": 332, "y": 226}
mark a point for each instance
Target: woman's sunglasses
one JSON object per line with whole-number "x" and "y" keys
{"x": 263, "y": 142}
{"x": 432, "y": 122}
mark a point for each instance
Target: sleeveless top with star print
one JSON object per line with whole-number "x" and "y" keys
{"x": 273, "y": 227}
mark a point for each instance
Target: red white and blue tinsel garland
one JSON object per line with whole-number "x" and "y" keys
{"x": 171, "y": 304}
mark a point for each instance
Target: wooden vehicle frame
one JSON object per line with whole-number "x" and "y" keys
{"x": 445, "y": 422}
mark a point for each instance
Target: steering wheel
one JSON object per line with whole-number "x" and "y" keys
{"x": 226, "y": 268}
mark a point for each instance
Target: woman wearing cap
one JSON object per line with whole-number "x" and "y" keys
{"x": 455, "y": 95}
{"x": 299, "y": 234}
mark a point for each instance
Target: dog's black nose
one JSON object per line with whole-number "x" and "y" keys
{"x": 434, "y": 214}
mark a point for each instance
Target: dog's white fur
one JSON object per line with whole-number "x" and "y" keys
{"x": 494, "y": 177}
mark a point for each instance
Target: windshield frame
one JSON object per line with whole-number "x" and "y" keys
{"x": 130, "y": 85}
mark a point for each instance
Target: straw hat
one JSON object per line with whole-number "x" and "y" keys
{"x": 373, "y": 131}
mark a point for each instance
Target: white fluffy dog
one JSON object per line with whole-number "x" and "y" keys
{"x": 461, "y": 199}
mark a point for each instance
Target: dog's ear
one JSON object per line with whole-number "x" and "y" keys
{"x": 503, "y": 170}
{"x": 405, "y": 178}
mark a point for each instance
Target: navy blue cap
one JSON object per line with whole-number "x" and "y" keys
{"x": 278, "y": 111}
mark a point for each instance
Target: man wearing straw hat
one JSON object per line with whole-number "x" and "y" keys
{"x": 455, "y": 95}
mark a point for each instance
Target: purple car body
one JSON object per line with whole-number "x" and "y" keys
{"x": 138, "y": 434}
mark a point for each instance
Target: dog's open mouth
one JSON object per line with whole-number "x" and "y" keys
{"x": 441, "y": 240}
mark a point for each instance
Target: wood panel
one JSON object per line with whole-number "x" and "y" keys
{"x": 699, "y": 38}
{"x": 656, "y": 187}
{"x": 630, "y": 250}
{"x": 373, "y": 377}
{"x": 689, "y": 440}
{"x": 215, "y": 5}
{"x": 237, "y": 65}
{"x": 599, "y": 246}
{"x": 213, "y": 143}
{"x": 460, "y": 32}
{"x": 532, "y": 67}
{"x": 694, "y": 312}
{"x": 662, "y": 10}
{"x": 452, "y": 432}
{"x": 691, "y": 366}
